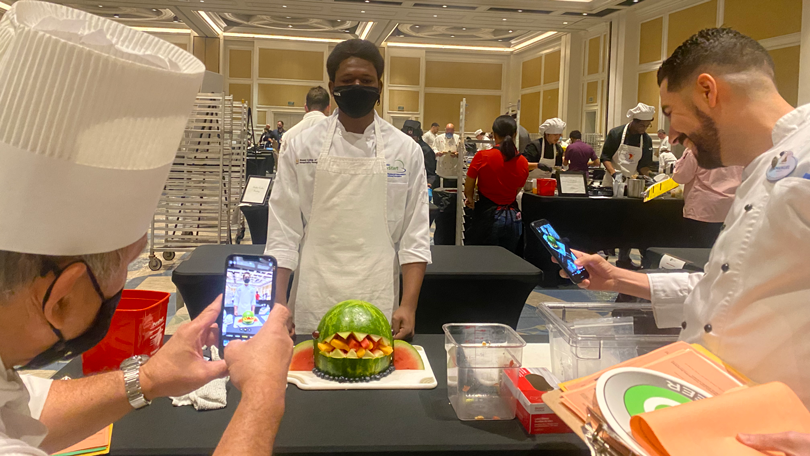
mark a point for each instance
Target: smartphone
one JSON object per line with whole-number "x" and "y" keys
{"x": 559, "y": 250}
{"x": 248, "y": 298}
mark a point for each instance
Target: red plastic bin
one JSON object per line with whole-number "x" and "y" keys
{"x": 137, "y": 329}
{"x": 546, "y": 187}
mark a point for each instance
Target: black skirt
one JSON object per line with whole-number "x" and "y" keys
{"x": 494, "y": 224}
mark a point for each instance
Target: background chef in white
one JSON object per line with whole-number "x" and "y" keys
{"x": 350, "y": 204}
{"x": 317, "y": 106}
{"x": 750, "y": 307}
{"x": 447, "y": 154}
{"x": 63, "y": 263}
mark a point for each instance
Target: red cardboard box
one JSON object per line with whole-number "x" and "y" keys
{"x": 529, "y": 387}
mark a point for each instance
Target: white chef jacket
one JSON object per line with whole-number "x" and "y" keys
{"x": 664, "y": 160}
{"x": 310, "y": 119}
{"x": 665, "y": 146}
{"x": 245, "y": 299}
{"x": 751, "y": 307}
{"x": 430, "y": 139}
{"x": 407, "y": 206}
{"x": 447, "y": 165}
{"x": 21, "y": 401}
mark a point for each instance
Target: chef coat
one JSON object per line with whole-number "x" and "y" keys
{"x": 291, "y": 199}
{"x": 310, "y": 119}
{"x": 430, "y": 139}
{"x": 750, "y": 307}
{"x": 447, "y": 164}
{"x": 245, "y": 299}
{"x": 21, "y": 401}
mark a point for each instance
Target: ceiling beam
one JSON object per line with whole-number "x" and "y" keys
{"x": 380, "y": 31}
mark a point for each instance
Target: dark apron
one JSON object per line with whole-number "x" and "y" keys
{"x": 494, "y": 224}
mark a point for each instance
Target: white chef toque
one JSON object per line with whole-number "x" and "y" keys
{"x": 553, "y": 126}
{"x": 478, "y": 132}
{"x": 91, "y": 115}
{"x": 641, "y": 112}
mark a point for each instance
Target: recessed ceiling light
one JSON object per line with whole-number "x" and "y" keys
{"x": 500, "y": 40}
{"x": 290, "y": 26}
{"x": 584, "y": 14}
{"x": 510, "y": 31}
{"x": 520, "y": 11}
{"x": 444, "y": 6}
{"x": 435, "y": 15}
{"x": 283, "y": 6}
{"x": 464, "y": 28}
{"x": 116, "y": 16}
{"x": 363, "y": 12}
{"x": 416, "y": 26}
{"x": 202, "y": 1}
{"x": 338, "y": 20}
{"x": 452, "y": 36}
{"x": 101, "y": 6}
{"x": 504, "y": 18}
{"x": 565, "y": 23}
{"x": 154, "y": 9}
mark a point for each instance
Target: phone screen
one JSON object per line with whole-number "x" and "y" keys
{"x": 249, "y": 296}
{"x": 561, "y": 252}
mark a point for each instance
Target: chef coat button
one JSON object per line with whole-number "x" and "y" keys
{"x": 725, "y": 267}
{"x": 708, "y": 328}
{"x": 723, "y": 228}
{"x": 683, "y": 325}
{"x": 748, "y": 207}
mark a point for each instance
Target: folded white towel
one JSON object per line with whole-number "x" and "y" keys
{"x": 212, "y": 396}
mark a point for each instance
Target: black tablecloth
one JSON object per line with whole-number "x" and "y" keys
{"x": 695, "y": 259}
{"x": 592, "y": 224}
{"x": 340, "y": 422}
{"x": 463, "y": 284}
{"x": 256, "y": 217}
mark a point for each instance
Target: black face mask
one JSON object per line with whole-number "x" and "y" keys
{"x": 356, "y": 100}
{"x": 69, "y": 349}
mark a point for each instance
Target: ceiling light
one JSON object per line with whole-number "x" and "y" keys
{"x": 464, "y": 28}
{"x": 500, "y": 40}
{"x": 288, "y": 17}
{"x": 416, "y": 26}
{"x": 435, "y": 15}
{"x": 363, "y": 12}
{"x": 116, "y": 16}
{"x": 565, "y": 23}
{"x": 444, "y": 6}
{"x": 520, "y": 11}
{"x": 504, "y": 18}
{"x": 338, "y": 20}
{"x": 3, "y": 6}
{"x": 290, "y": 26}
{"x": 584, "y": 14}
{"x": 162, "y": 30}
{"x": 154, "y": 9}
{"x": 210, "y": 22}
{"x": 450, "y": 46}
{"x": 510, "y": 31}
{"x": 363, "y": 34}
{"x": 452, "y": 36}
{"x": 533, "y": 40}
{"x": 283, "y": 6}
{"x": 101, "y": 6}
{"x": 281, "y": 37}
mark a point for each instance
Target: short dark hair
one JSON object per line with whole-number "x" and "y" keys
{"x": 434, "y": 124}
{"x": 281, "y": 122}
{"x": 662, "y": 131}
{"x": 723, "y": 49}
{"x": 361, "y": 49}
{"x": 318, "y": 99}
{"x": 576, "y": 134}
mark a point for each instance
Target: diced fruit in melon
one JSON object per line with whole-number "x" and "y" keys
{"x": 406, "y": 357}
{"x": 339, "y": 344}
{"x": 303, "y": 358}
{"x": 360, "y": 336}
{"x": 353, "y": 344}
{"x": 328, "y": 339}
{"x": 368, "y": 355}
{"x": 387, "y": 350}
{"x": 352, "y": 354}
{"x": 361, "y": 352}
{"x": 384, "y": 342}
{"x": 325, "y": 347}
{"x": 344, "y": 334}
{"x": 378, "y": 353}
{"x": 374, "y": 338}
{"x": 366, "y": 343}
{"x": 337, "y": 354}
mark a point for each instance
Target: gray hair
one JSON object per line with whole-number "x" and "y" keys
{"x": 18, "y": 270}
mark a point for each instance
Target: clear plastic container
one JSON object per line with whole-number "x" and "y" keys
{"x": 588, "y": 337}
{"x": 479, "y": 356}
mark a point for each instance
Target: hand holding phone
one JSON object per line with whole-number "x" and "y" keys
{"x": 248, "y": 298}
{"x": 559, "y": 251}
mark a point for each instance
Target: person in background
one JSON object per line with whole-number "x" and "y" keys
{"x": 666, "y": 161}
{"x": 544, "y": 153}
{"x": 267, "y": 136}
{"x": 627, "y": 153}
{"x": 749, "y": 307}
{"x": 481, "y": 136}
{"x": 663, "y": 145}
{"x": 431, "y": 135}
{"x": 413, "y": 128}
{"x": 500, "y": 174}
{"x": 446, "y": 149}
{"x": 349, "y": 207}
{"x": 523, "y": 135}
{"x": 579, "y": 155}
{"x": 61, "y": 279}
{"x": 317, "y": 106}
{"x": 245, "y": 295}
{"x": 278, "y": 133}
{"x": 708, "y": 196}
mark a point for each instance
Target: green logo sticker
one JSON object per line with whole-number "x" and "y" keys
{"x": 647, "y": 398}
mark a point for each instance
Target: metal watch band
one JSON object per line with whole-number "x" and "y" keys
{"x": 132, "y": 383}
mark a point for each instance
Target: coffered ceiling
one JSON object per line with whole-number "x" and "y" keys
{"x": 494, "y": 23}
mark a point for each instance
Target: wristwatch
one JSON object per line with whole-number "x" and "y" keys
{"x": 131, "y": 367}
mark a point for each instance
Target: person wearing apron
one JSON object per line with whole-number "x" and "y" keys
{"x": 447, "y": 148}
{"x": 541, "y": 164}
{"x": 628, "y": 152}
{"x": 350, "y": 205}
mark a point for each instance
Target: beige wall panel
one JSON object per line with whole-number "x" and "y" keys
{"x": 183, "y": 46}
{"x": 593, "y": 56}
{"x": 550, "y": 104}
{"x": 530, "y": 111}
{"x": 651, "y": 36}
{"x": 240, "y": 63}
{"x": 240, "y": 92}
{"x": 605, "y": 52}
{"x": 408, "y": 99}
{"x": 686, "y": 23}
{"x": 281, "y": 94}
{"x": 290, "y": 64}
{"x": 443, "y": 108}
{"x": 212, "y": 54}
{"x": 786, "y": 61}
{"x": 648, "y": 93}
{"x": 261, "y": 118}
{"x": 760, "y": 20}
{"x": 592, "y": 92}
{"x": 198, "y": 46}
{"x": 551, "y": 68}
{"x": 404, "y": 71}
{"x": 463, "y": 75}
{"x": 531, "y": 73}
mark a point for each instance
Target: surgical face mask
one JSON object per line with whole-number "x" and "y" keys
{"x": 69, "y": 349}
{"x": 356, "y": 100}
{"x": 247, "y": 280}
{"x": 448, "y": 135}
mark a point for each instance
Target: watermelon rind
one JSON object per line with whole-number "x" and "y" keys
{"x": 356, "y": 317}
{"x": 403, "y": 351}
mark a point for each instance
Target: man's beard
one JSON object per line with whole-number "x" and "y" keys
{"x": 706, "y": 141}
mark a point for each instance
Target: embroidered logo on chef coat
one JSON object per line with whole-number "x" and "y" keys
{"x": 306, "y": 161}
{"x": 396, "y": 169}
{"x": 781, "y": 166}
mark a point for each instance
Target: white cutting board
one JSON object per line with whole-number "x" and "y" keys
{"x": 399, "y": 379}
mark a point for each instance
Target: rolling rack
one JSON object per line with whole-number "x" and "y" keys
{"x": 200, "y": 201}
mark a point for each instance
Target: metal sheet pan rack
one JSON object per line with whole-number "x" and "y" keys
{"x": 200, "y": 201}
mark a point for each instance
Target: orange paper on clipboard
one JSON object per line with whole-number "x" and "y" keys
{"x": 96, "y": 444}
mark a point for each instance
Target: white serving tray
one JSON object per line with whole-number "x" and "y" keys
{"x": 399, "y": 379}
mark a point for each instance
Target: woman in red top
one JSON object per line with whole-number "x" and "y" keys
{"x": 500, "y": 174}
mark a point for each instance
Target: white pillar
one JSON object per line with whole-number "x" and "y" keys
{"x": 571, "y": 80}
{"x": 804, "y": 56}
{"x": 616, "y": 73}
